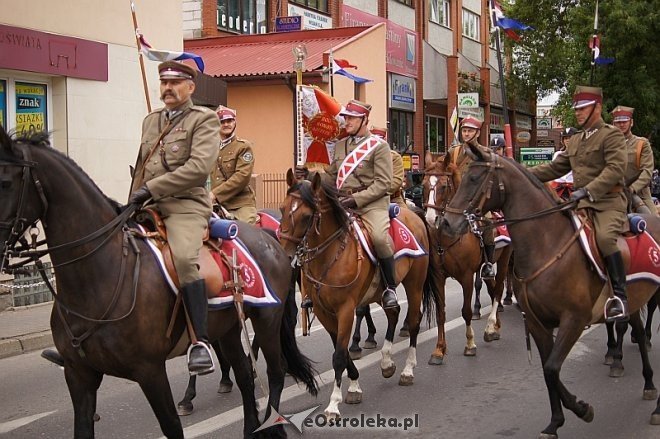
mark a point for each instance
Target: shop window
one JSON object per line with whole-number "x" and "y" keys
{"x": 401, "y": 131}
{"x": 470, "y": 25}
{"x": 410, "y": 3}
{"x": 435, "y": 134}
{"x": 319, "y": 5}
{"x": 24, "y": 106}
{"x": 439, "y": 12}
{"x": 3, "y": 103}
{"x": 242, "y": 16}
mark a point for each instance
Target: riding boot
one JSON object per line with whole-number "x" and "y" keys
{"x": 487, "y": 270}
{"x": 616, "y": 308}
{"x": 387, "y": 269}
{"x": 200, "y": 360}
{"x": 53, "y": 356}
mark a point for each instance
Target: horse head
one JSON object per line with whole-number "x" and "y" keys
{"x": 439, "y": 186}
{"x": 21, "y": 201}
{"x": 479, "y": 191}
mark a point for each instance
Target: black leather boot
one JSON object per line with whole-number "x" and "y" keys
{"x": 53, "y": 356}
{"x": 487, "y": 269}
{"x": 306, "y": 302}
{"x": 616, "y": 308}
{"x": 200, "y": 360}
{"x": 389, "y": 299}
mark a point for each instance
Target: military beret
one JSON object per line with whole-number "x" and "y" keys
{"x": 356, "y": 109}
{"x": 622, "y": 114}
{"x": 176, "y": 70}
{"x": 585, "y": 96}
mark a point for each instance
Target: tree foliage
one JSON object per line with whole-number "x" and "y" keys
{"x": 555, "y": 56}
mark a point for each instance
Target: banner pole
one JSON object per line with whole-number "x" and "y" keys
{"x": 137, "y": 43}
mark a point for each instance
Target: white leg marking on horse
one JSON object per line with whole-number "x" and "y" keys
{"x": 411, "y": 362}
{"x": 492, "y": 319}
{"x": 386, "y": 352}
{"x": 354, "y": 386}
{"x": 335, "y": 399}
{"x": 469, "y": 334}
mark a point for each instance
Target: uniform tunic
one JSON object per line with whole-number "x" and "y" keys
{"x": 230, "y": 179}
{"x": 175, "y": 173}
{"x": 396, "y": 188}
{"x": 640, "y": 185}
{"x": 369, "y": 185}
{"x": 598, "y": 160}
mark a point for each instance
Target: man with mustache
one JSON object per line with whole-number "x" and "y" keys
{"x": 178, "y": 150}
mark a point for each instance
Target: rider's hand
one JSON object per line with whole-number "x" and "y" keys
{"x": 579, "y": 194}
{"x": 348, "y": 202}
{"x": 140, "y": 195}
{"x": 301, "y": 172}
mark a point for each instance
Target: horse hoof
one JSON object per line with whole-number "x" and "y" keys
{"x": 476, "y": 315}
{"x": 492, "y": 336}
{"x": 616, "y": 372}
{"x": 589, "y": 415}
{"x": 331, "y": 415}
{"x": 608, "y": 360}
{"x": 353, "y": 398}
{"x": 406, "y": 380}
{"x": 470, "y": 352}
{"x": 507, "y": 301}
{"x": 225, "y": 387}
{"x": 355, "y": 355}
{"x": 655, "y": 419}
{"x": 650, "y": 394}
{"x": 547, "y": 436}
{"x": 370, "y": 345}
{"x": 96, "y": 417}
{"x": 436, "y": 361}
{"x": 404, "y": 333}
{"x": 184, "y": 408}
{"x": 500, "y": 308}
{"x": 388, "y": 371}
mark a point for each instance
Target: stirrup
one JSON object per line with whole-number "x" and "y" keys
{"x": 620, "y": 317}
{"x": 203, "y": 370}
{"x": 306, "y": 303}
{"x": 396, "y": 299}
{"x": 485, "y": 266}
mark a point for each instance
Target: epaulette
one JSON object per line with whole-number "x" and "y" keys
{"x": 200, "y": 108}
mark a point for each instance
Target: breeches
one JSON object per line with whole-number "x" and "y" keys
{"x": 247, "y": 214}
{"x": 608, "y": 226}
{"x": 185, "y": 232}
{"x": 488, "y": 235}
{"x": 378, "y": 223}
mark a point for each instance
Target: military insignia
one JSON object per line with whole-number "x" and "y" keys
{"x": 247, "y": 157}
{"x": 175, "y": 148}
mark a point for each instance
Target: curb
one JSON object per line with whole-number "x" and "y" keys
{"x": 28, "y": 343}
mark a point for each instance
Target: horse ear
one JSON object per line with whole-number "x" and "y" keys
{"x": 316, "y": 182}
{"x": 290, "y": 177}
{"x": 478, "y": 153}
{"x": 446, "y": 159}
{"x": 428, "y": 159}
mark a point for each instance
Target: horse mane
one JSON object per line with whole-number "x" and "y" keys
{"x": 532, "y": 179}
{"x": 42, "y": 140}
{"x": 332, "y": 195}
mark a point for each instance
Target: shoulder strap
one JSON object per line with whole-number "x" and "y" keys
{"x": 640, "y": 144}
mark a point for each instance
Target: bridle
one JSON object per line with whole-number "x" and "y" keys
{"x": 433, "y": 187}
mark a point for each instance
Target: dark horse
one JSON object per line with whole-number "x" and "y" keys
{"x": 460, "y": 257}
{"x": 113, "y": 306}
{"x": 339, "y": 277}
{"x": 557, "y": 287}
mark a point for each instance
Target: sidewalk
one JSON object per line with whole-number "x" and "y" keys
{"x": 24, "y": 329}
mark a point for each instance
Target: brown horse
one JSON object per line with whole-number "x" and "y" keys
{"x": 339, "y": 277}
{"x": 557, "y": 287}
{"x": 460, "y": 257}
{"x": 113, "y": 305}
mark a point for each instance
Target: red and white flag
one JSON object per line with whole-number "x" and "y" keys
{"x": 319, "y": 125}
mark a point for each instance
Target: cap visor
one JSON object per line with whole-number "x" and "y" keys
{"x": 582, "y": 104}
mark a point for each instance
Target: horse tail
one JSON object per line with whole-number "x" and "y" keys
{"x": 433, "y": 297}
{"x": 298, "y": 365}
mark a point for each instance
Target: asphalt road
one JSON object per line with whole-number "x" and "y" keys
{"x": 495, "y": 394}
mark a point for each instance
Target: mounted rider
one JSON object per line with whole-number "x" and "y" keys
{"x": 470, "y": 130}
{"x": 365, "y": 186}
{"x": 598, "y": 158}
{"x": 640, "y": 161}
{"x": 396, "y": 188}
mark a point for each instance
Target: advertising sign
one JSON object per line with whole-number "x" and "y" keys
{"x": 288, "y": 24}
{"x": 468, "y": 100}
{"x": 311, "y": 19}
{"x": 30, "y": 108}
{"x": 3, "y": 103}
{"x": 536, "y": 156}
{"x": 402, "y": 92}
{"x": 544, "y": 123}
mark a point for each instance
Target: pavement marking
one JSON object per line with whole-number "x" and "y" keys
{"x": 236, "y": 414}
{"x": 6, "y": 427}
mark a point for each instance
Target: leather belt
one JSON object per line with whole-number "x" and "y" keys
{"x": 352, "y": 191}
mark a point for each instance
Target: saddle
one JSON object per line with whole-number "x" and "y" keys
{"x": 216, "y": 265}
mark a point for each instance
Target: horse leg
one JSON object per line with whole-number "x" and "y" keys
{"x": 83, "y": 383}
{"x": 611, "y": 344}
{"x": 341, "y": 322}
{"x": 478, "y": 283}
{"x": 231, "y": 346}
{"x": 370, "y": 342}
{"x": 508, "y": 298}
{"x": 226, "y": 384}
{"x": 185, "y": 406}
{"x": 387, "y": 366}
{"x": 355, "y": 351}
{"x": 438, "y": 355}
{"x": 354, "y": 394}
{"x": 616, "y": 368}
{"x": 495, "y": 290}
{"x": 156, "y": 387}
{"x": 650, "y": 392}
{"x": 415, "y": 318}
{"x": 651, "y": 306}
{"x": 470, "y": 346}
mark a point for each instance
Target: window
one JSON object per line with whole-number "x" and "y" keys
{"x": 319, "y": 5}
{"x": 435, "y": 134}
{"x": 401, "y": 130}
{"x": 3, "y": 103}
{"x": 24, "y": 106}
{"x": 242, "y": 16}
{"x": 407, "y": 2}
{"x": 470, "y": 25}
{"x": 439, "y": 12}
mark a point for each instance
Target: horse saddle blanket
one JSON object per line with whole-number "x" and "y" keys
{"x": 216, "y": 268}
{"x": 502, "y": 238}
{"x": 405, "y": 243}
{"x": 268, "y": 220}
{"x": 641, "y": 253}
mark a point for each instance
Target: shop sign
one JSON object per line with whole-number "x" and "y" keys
{"x": 288, "y": 24}
{"x": 402, "y": 92}
{"x": 536, "y": 156}
{"x": 311, "y": 19}
{"x": 468, "y": 100}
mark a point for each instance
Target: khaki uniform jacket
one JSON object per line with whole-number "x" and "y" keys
{"x": 370, "y": 182}
{"x": 598, "y": 164}
{"x": 459, "y": 157}
{"x": 230, "y": 178}
{"x": 397, "y": 173}
{"x": 177, "y": 170}
{"x": 640, "y": 186}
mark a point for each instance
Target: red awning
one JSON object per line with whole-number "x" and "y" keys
{"x": 266, "y": 54}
